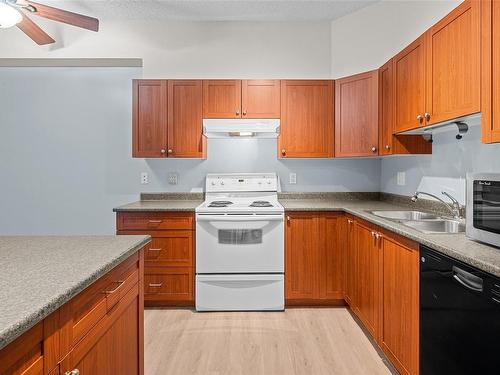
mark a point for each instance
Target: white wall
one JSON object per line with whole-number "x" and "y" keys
{"x": 65, "y": 154}
{"x": 368, "y": 38}
{"x": 191, "y": 49}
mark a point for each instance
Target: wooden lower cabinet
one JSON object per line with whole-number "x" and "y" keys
{"x": 99, "y": 331}
{"x": 168, "y": 258}
{"x": 350, "y": 259}
{"x": 367, "y": 277}
{"x": 399, "y": 330}
{"x": 310, "y": 238}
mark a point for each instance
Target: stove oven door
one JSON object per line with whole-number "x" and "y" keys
{"x": 239, "y": 243}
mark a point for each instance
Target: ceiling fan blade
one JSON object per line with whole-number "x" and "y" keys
{"x": 34, "y": 31}
{"x": 64, "y": 16}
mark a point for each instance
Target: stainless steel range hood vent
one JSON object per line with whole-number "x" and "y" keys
{"x": 241, "y": 128}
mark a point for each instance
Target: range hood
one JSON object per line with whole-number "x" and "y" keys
{"x": 241, "y": 128}
{"x": 460, "y": 124}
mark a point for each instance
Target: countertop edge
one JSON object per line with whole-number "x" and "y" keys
{"x": 12, "y": 333}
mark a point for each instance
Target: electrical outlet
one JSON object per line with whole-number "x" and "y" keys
{"x": 144, "y": 178}
{"x": 293, "y": 178}
{"x": 401, "y": 178}
{"x": 173, "y": 178}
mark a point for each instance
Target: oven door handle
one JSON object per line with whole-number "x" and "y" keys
{"x": 239, "y": 218}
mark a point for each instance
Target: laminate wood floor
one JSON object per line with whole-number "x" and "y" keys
{"x": 297, "y": 341}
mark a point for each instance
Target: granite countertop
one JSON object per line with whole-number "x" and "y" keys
{"x": 41, "y": 273}
{"x": 157, "y": 202}
{"x": 457, "y": 245}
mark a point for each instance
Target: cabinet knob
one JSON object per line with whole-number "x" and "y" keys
{"x": 244, "y": 113}
{"x": 427, "y": 116}
{"x": 349, "y": 221}
{"x": 73, "y": 372}
{"x": 283, "y": 152}
{"x": 374, "y": 149}
{"x": 288, "y": 218}
{"x": 170, "y": 151}
{"x": 387, "y": 147}
{"x": 237, "y": 112}
{"x": 163, "y": 150}
{"x": 420, "y": 118}
{"x": 373, "y": 234}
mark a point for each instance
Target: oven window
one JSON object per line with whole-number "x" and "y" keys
{"x": 487, "y": 206}
{"x": 240, "y": 236}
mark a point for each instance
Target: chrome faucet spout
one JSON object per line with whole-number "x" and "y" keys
{"x": 454, "y": 207}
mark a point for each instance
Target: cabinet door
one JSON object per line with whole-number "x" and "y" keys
{"x": 149, "y": 118}
{"x": 260, "y": 98}
{"x": 356, "y": 115}
{"x": 490, "y": 83}
{"x": 222, "y": 99}
{"x": 302, "y": 252}
{"x": 409, "y": 86}
{"x": 185, "y": 119}
{"x": 331, "y": 261}
{"x": 113, "y": 346}
{"x": 400, "y": 304}
{"x": 306, "y": 119}
{"x": 367, "y": 278}
{"x": 386, "y": 108}
{"x": 350, "y": 261}
{"x": 454, "y": 64}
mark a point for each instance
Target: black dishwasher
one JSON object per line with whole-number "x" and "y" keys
{"x": 459, "y": 317}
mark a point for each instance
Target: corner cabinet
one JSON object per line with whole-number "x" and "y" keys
{"x": 167, "y": 119}
{"x": 490, "y": 83}
{"x": 356, "y": 115}
{"x": 241, "y": 99}
{"x": 307, "y": 113}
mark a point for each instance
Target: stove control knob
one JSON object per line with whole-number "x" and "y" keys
{"x": 269, "y": 182}
{"x": 222, "y": 182}
{"x": 213, "y": 183}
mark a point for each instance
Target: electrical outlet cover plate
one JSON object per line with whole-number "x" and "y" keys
{"x": 401, "y": 178}
{"x": 173, "y": 178}
{"x": 144, "y": 178}
{"x": 293, "y": 178}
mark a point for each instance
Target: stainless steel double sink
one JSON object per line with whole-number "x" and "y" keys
{"x": 423, "y": 221}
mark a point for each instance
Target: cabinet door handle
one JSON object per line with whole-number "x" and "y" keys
{"x": 155, "y": 285}
{"x": 420, "y": 118}
{"x": 73, "y": 372}
{"x": 170, "y": 151}
{"x": 244, "y": 113}
{"x": 237, "y": 112}
{"x": 283, "y": 152}
{"x": 427, "y": 116}
{"x": 116, "y": 288}
{"x": 288, "y": 218}
{"x": 349, "y": 221}
{"x": 387, "y": 147}
{"x": 373, "y": 234}
{"x": 374, "y": 149}
{"x": 163, "y": 151}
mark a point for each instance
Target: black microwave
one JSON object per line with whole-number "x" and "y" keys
{"x": 483, "y": 208}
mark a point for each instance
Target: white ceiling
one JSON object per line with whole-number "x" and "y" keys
{"x": 213, "y": 10}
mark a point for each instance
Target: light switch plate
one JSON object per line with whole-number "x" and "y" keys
{"x": 144, "y": 178}
{"x": 293, "y": 178}
{"x": 401, "y": 178}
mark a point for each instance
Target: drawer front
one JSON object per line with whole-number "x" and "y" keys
{"x": 84, "y": 311}
{"x": 154, "y": 221}
{"x": 173, "y": 249}
{"x": 168, "y": 284}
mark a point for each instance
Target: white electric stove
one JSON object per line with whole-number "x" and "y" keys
{"x": 240, "y": 244}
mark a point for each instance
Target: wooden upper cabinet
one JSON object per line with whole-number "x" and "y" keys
{"x": 222, "y": 98}
{"x": 149, "y": 118}
{"x": 302, "y": 256}
{"x": 356, "y": 115}
{"x": 185, "y": 119}
{"x": 399, "y": 333}
{"x": 260, "y": 99}
{"x": 490, "y": 83}
{"x": 390, "y": 144}
{"x": 306, "y": 119}
{"x": 409, "y": 86}
{"x": 454, "y": 64}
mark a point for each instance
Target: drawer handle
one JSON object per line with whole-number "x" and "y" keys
{"x": 118, "y": 285}
{"x": 73, "y": 372}
{"x": 153, "y": 285}
{"x": 155, "y": 221}
{"x": 155, "y": 249}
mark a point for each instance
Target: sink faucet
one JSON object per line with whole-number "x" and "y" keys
{"x": 454, "y": 206}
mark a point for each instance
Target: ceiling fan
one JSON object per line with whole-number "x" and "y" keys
{"x": 15, "y": 13}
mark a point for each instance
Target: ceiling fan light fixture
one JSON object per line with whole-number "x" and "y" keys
{"x": 9, "y": 16}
